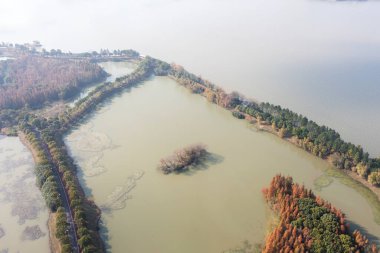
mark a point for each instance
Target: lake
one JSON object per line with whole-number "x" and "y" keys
{"x": 212, "y": 209}
{"x": 318, "y": 57}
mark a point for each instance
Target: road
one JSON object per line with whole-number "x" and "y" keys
{"x": 64, "y": 195}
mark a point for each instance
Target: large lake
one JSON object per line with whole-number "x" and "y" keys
{"x": 320, "y": 58}
{"x": 212, "y": 209}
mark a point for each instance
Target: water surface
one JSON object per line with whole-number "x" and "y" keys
{"x": 114, "y": 69}
{"x": 212, "y": 209}
{"x": 22, "y": 205}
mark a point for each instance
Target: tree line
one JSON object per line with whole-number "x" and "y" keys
{"x": 319, "y": 140}
{"x": 85, "y": 213}
{"x": 48, "y": 184}
{"x": 41, "y": 132}
{"x": 308, "y": 223}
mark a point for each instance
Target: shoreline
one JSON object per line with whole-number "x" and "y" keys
{"x": 54, "y": 243}
{"x": 268, "y": 129}
{"x": 83, "y": 214}
{"x": 214, "y": 94}
{"x": 362, "y": 181}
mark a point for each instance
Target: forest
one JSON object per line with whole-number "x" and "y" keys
{"x": 34, "y": 80}
{"x": 307, "y": 223}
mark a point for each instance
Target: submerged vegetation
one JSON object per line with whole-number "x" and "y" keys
{"x": 308, "y": 223}
{"x": 181, "y": 160}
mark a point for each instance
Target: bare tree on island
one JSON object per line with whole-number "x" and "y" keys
{"x": 182, "y": 159}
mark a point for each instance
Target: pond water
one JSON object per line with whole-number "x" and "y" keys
{"x": 212, "y": 209}
{"x": 23, "y": 214}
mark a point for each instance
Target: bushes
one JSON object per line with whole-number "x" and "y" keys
{"x": 45, "y": 178}
{"x": 182, "y": 159}
{"x": 374, "y": 178}
{"x": 50, "y": 192}
{"x": 62, "y": 228}
{"x": 362, "y": 170}
{"x": 238, "y": 115}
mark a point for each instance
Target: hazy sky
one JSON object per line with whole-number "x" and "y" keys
{"x": 90, "y": 24}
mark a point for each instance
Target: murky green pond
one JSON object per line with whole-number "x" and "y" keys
{"x": 212, "y": 209}
{"x": 23, "y": 214}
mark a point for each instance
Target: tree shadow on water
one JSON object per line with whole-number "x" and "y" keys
{"x": 371, "y": 237}
{"x": 206, "y": 162}
{"x": 104, "y": 233}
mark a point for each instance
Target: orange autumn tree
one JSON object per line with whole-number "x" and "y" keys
{"x": 308, "y": 223}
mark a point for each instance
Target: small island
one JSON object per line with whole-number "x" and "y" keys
{"x": 307, "y": 223}
{"x": 183, "y": 159}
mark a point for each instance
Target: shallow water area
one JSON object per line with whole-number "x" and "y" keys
{"x": 114, "y": 69}
{"x": 23, "y": 214}
{"x": 117, "y": 68}
{"x": 212, "y": 209}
